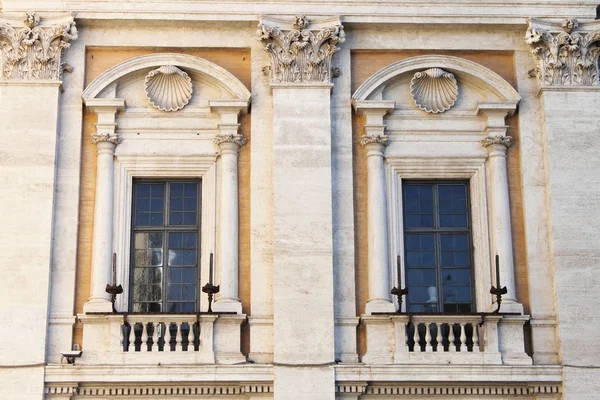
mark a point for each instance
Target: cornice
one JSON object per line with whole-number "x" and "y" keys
{"x": 34, "y": 52}
{"x": 565, "y": 54}
{"x": 301, "y": 53}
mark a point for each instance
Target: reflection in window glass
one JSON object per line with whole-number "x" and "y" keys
{"x": 165, "y": 246}
{"x": 437, "y": 247}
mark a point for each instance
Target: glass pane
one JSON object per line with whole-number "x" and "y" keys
{"x": 191, "y": 190}
{"x": 174, "y": 292}
{"x": 176, "y": 218}
{"x": 456, "y": 277}
{"x": 453, "y": 205}
{"x": 189, "y": 218}
{"x": 176, "y": 204}
{"x": 149, "y": 204}
{"x": 176, "y": 190}
{"x": 188, "y": 292}
{"x": 188, "y": 275}
{"x": 418, "y": 212}
{"x": 190, "y": 240}
{"x": 189, "y": 257}
{"x": 175, "y": 257}
{"x": 174, "y": 275}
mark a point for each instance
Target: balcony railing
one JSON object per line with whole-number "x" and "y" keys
{"x": 445, "y": 339}
{"x": 159, "y": 338}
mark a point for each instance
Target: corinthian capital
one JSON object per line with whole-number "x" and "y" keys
{"x": 300, "y": 53}
{"x": 34, "y": 52}
{"x": 565, "y": 54}
{"x": 108, "y": 138}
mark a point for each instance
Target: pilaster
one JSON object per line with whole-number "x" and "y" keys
{"x": 566, "y": 59}
{"x": 30, "y": 86}
{"x": 303, "y": 284}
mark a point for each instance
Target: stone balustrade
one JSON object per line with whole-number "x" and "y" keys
{"x": 445, "y": 339}
{"x": 162, "y": 338}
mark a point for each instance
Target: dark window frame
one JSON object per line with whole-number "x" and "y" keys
{"x": 165, "y": 229}
{"x": 437, "y": 231}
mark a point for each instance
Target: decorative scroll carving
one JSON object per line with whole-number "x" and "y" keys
{"x": 383, "y": 140}
{"x": 237, "y": 139}
{"x": 564, "y": 58}
{"x": 168, "y": 88}
{"x": 114, "y": 139}
{"x": 505, "y": 141}
{"x": 34, "y": 52}
{"x": 301, "y": 55}
{"x": 434, "y": 90}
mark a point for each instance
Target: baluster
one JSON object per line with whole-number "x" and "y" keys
{"x": 155, "y": 336}
{"x": 179, "y": 337}
{"x": 172, "y": 335}
{"x": 416, "y": 337}
{"x": 428, "y": 347}
{"x": 475, "y": 337}
{"x": 451, "y": 338}
{"x": 144, "y": 345}
{"x": 439, "y": 338}
{"x": 122, "y": 337}
{"x": 190, "y": 335}
{"x": 131, "y": 336}
{"x": 463, "y": 337}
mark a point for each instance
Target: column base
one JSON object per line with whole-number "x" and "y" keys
{"x": 379, "y": 306}
{"x": 227, "y": 305}
{"x": 98, "y": 305}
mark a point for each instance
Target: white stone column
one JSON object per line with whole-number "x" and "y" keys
{"x": 227, "y": 257}
{"x": 374, "y": 141}
{"x": 497, "y": 144}
{"x": 106, "y": 140}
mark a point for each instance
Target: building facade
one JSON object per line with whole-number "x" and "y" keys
{"x": 305, "y": 200}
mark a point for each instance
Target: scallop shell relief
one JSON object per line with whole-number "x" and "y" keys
{"x": 434, "y": 90}
{"x": 168, "y": 88}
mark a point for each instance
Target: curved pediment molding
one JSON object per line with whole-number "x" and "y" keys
{"x": 212, "y": 72}
{"x": 468, "y": 71}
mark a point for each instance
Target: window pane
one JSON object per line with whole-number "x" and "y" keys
{"x": 418, "y": 211}
{"x": 149, "y": 204}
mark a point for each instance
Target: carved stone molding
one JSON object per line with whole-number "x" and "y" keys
{"x": 301, "y": 54}
{"x": 114, "y": 139}
{"x": 236, "y": 139}
{"x": 34, "y": 52}
{"x": 505, "y": 141}
{"x": 564, "y": 58}
{"x": 165, "y": 390}
{"x": 383, "y": 140}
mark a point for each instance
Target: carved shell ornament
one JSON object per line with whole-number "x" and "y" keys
{"x": 168, "y": 88}
{"x": 434, "y": 90}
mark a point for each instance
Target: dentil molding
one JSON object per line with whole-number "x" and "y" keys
{"x": 34, "y": 52}
{"x": 565, "y": 55}
{"x": 301, "y": 54}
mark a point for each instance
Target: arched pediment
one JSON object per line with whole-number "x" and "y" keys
{"x": 467, "y": 71}
{"x": 211, "y": 72}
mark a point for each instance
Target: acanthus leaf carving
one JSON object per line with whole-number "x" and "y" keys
{"x": 300, "y": 54}
{"x": 34, "y": 52}
{"x": 375, "y": 139}
{"x": 564, "y": 58}
{"x": 506, "y": 141}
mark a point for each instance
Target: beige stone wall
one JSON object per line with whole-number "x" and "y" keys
{"x": 98, "y": 60}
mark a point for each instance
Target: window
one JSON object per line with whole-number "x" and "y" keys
{"x": 438, "y": 256}
{"x": 165, "y": 246}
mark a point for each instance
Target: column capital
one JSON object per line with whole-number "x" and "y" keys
{"x": 34, "y": 52}
{"x": 237, "y": 140}
{"x": 505, "y": 141}
{"x": 379, "y": 140}
{"x": 565, "y": 54}
{"x": 106, "y": 138}
{"x": 303, "y": 51}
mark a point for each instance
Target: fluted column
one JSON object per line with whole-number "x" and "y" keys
{"x": 374, "y": 142}
{"x": 228, "y": 253}
{"x": 497, "y": 143}
{"x": 229, "y": 142}
{"x": 106, "y": 140}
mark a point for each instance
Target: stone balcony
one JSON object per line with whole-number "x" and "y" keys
{"x": 490, "y": 339}
{"x": 120, "y": 339}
